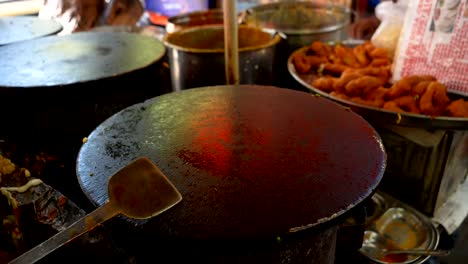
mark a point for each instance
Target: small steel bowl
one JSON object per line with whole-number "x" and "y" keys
{"x": 400, "y": 229}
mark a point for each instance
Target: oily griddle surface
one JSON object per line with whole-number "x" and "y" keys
{"x": 20, "y": 28}
{"x": 249, "y": 161}
{"x": 75, "y": 58}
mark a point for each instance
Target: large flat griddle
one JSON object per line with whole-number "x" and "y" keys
{"x": 250, "y": 161}
{"x": 15, "y": 29}
{"x": 76, "y": 58}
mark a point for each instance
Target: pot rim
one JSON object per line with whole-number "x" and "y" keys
{"x": 346, "y": 12}
{"x": 275, "y": 39}
{"x": 177, "y": 23}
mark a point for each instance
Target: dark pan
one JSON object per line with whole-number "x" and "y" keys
{"x": 250, "y": 161}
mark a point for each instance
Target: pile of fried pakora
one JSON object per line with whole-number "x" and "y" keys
{"x": 362, "y": 74}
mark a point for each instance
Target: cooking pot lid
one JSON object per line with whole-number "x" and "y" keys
{"x": 249, "y": 161}
{"x": 78, "y": 57}
{"x": 19, "y": 28}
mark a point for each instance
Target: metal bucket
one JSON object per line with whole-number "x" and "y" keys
{"x": 196, "y": 56}
{"x": 301, "y": 22}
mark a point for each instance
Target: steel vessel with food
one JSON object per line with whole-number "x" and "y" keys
{"x": 423, "y": 126}
{"x": 360, "y": 77}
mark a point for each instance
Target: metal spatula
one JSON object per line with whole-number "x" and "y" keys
{"x": 139, "y": 190}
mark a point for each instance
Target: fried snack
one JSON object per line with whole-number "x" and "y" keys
{"x": 420, "y": 88}
{"x": 434, "y": 100}
{"x": 363, "y": 85}
{"x": 380, "y": 62}
{"x": 301, "y": 64}
{"x": 321, "y": 49}
{"x": 361, "y": 56}
{"x": 372, "y": 103}
{"x": 346, "y": 55}
{"x": 333, "y": 69}
{"x": 346, "y": 77}
{"x": 400, "y": 88}
{"x": 379, "y": 72}
{"x": 362, "y": 75}
{"x": 369, "y": 47}
{"x": 405, "y": 85}
{"x": 332, "y": 58}
{"x": 316, "y": 61}
{"x": 392, "y": 106}
{"x": 340, "y": 95}
{"x": 377, "y": 96}
{"x": 378, "y": 53}
{"x": 408, "y": 103}
{"x": 324, "y": 83}
{"x": 457, "y": 108}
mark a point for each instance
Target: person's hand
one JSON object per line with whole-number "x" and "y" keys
{"x": 364, "y": 28}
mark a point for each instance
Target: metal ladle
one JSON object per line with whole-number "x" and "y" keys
{"x": 139, "y": 190}
{"x": 379, "y": 253}
{"x": 231, "y": 45}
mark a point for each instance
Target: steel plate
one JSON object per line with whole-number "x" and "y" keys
{"x": 20, "y": 28}
{"x": 249, "y": 161}
{"x": 379, "y": 115}
{"x": 76, "y": 58}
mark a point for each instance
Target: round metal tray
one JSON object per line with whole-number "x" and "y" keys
{"x": 382, "y": 116}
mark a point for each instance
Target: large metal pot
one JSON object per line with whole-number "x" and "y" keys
{"x": 192, "y": 19}
{"x": 196, "y": 56}
{"x": 266, "y": 174}
{"x": 301, "y": 21}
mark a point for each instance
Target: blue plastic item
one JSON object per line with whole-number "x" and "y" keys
{"x": 175, "y": 7}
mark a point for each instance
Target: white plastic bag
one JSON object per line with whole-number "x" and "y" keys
{"x": 392, "y": 17}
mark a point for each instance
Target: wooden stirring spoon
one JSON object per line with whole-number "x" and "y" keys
{"x": 139, "y": 190}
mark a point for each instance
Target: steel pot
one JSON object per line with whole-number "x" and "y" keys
{"x": 301, "y": 21}
{"x": 192, "y": 19}
{"x": 196, "y": 56}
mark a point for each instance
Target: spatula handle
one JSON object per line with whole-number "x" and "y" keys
{"x": 76, "y": 229}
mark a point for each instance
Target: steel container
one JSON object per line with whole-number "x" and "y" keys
{"x": 197, "y": 18}
{"x": 196, "y": 56}
{"x": 301, "y": 22}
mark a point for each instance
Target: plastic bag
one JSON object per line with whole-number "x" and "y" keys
{"x": 392, "y": 17}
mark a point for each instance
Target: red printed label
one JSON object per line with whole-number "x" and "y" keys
{"x": 434, "y": 41}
